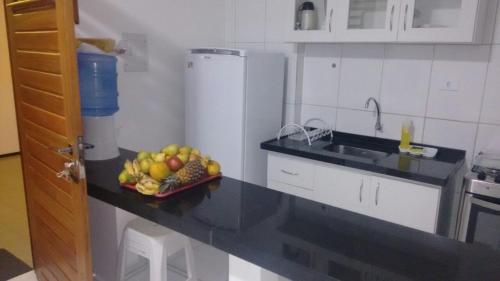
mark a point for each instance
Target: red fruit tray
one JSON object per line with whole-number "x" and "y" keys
{"x": 180, "y": 189}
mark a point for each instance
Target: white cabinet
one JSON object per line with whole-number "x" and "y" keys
{"x": 324, "y": 32}
{"x": 343, "y": 189}
{"x": 440, "y": 20}
{"x": 397, "y": 201}
{"x": 425, "y": 21}
{"x": 367, "y": 20}
{"x": 405, "y": 203}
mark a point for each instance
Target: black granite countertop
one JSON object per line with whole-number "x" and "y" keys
{"x": 299, "y": 239}
{"x": 436, "y": 171}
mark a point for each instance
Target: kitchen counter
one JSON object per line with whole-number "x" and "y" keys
{"x": 294, "y": 237}
{"x": 436, "y": 171}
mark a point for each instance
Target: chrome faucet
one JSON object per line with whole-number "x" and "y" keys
{"x": 378, "y": 125}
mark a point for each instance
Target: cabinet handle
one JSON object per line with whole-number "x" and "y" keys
{"x": 361, "y": 191}
{"x": 391, "y": 22}
{"x": 376, "y": 194}
{"x": 289, "y": 173}
{"x": 330, "y": 21}
{"x": 406, "y": 17}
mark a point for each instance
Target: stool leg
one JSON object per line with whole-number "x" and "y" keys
{"x": 122, "y": 260}
{"x": 190, "y": 264}
{"x": 158, "y": 263}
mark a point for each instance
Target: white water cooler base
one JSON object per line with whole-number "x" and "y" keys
{"x": 100, "y": 132}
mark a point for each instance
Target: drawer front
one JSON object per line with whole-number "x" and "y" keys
{"x": 291, "y": 189}
{"x": 290, "y": 170}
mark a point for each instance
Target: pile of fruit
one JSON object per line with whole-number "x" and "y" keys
{"x": 171, "y": 168}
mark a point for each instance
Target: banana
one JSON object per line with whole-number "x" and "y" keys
{"x": 129, "y": 167}
{"x": 148, "y": 186}
{"x": 137, "y": 168}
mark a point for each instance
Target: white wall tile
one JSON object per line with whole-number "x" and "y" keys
{"x": 230, "y": 21}
{"x": 250, "y": 20}
{"x": 392, "y": 124}
{"x": 360, "y": 74}
{"x": 488, "y": 139}
{"x": 250, "y": 46}
{"x": 289, "y": 114}
{"x": 275, "y": 23}
{"x": 406, "y": 76}
{"x": 321, "y": 78}
{"x": 290, "y": 51}
{"x": 356, "y": 122}
{"x": 459, "y": 135}
{"x": 497, "y": 28}
{"x": 327, "y": 114}
{"x": 464, "y": 67}
{"x": 491, "y": 104}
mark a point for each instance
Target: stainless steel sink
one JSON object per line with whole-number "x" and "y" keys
{"x": 357, "y": 151}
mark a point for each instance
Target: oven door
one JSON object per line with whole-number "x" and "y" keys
{"x": 481, "y": 221}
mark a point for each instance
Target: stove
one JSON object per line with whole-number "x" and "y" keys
{"x": 480, "y": 211}
{"x": 484, "y": 177}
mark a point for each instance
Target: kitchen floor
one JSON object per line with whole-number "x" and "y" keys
{"x": 14, "y": 231}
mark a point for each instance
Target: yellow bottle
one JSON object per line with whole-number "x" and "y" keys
{"x": 406, "y": 134}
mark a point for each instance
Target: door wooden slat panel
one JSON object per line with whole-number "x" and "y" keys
{"x": 52, "y": 191}
{"x": 45, "y": 155}
{"x": 50, "y": 175}
{"x": 40, "y": 20}
{"x": 62, "y": 271}
{"x": 57, "y": 244}
{"x": 45, "y": 62}
{"x": 44, "y": 136}
{"x": 45, "y": 75}
{"x": 43, "y": 41}
{"x": 65, "y": 236}
{"x": 45, "y": 119}
{"x": 41, "y": 80}
{"x": 52, "y": 207}
{"x": 43, "y": 100}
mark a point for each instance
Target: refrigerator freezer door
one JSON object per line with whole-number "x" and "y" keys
{"x": 215, "y": 95}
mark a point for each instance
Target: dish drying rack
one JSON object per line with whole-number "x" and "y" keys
{"x": 297, "y": 132}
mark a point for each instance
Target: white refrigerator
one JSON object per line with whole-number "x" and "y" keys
{"x": 234, "y": 101}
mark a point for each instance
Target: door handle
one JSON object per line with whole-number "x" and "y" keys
{"x": 405, "y": 24}
{"x": 289, "y": 173}
{"x": 330, "y": 21}
{"x": 73, "y": 171}
{"x": 377, "y": 194}
{"x": 361, "y": 191}
{"x": 391, "y": 22}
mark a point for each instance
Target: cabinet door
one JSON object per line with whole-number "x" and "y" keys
{"x": 324, "y": 31}
{"x": 438, "y": 20}
{"x": 367, "y": 20}
{"x": 342, "y": 188}
{"x": 405, "y": 203}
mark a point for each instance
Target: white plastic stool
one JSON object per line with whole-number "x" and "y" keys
{"x": 155, "y": 243}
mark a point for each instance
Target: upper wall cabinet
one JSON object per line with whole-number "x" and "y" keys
{"x": 305, "y": 25}
{"x": 424, "y": 21}
{"x": 439, "y": 21}
{"x": 367, "y": 20}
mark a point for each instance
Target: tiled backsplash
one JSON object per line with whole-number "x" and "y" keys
{"x": 450, "y": 92}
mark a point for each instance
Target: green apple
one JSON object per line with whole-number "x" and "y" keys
{"x": 143, "y": 155}
{"x": 184, "y": 157}
{"x": 124, "y": 177}
{"x": 145, "y": 164}
{"x": 170, "y": 150}
{"x": 185, "y": 150}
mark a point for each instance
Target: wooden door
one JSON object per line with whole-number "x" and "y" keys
{"x": 44, "y": 68}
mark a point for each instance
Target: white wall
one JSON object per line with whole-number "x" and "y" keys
{"x": 408, "y": 80}
{"x": 152, "y": 103}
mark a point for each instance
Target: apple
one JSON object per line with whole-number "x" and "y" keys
{"x": 184, "y": 157}
{"x": 143, "y": 155}
{"x": 213, "y": 168}
{"x": 160, "y": 157}
{"x": 170, "y": 150}
{"x": 145, "y": 164}
{"x": 185, "y": 150}
{"x": 174, "y": 163}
